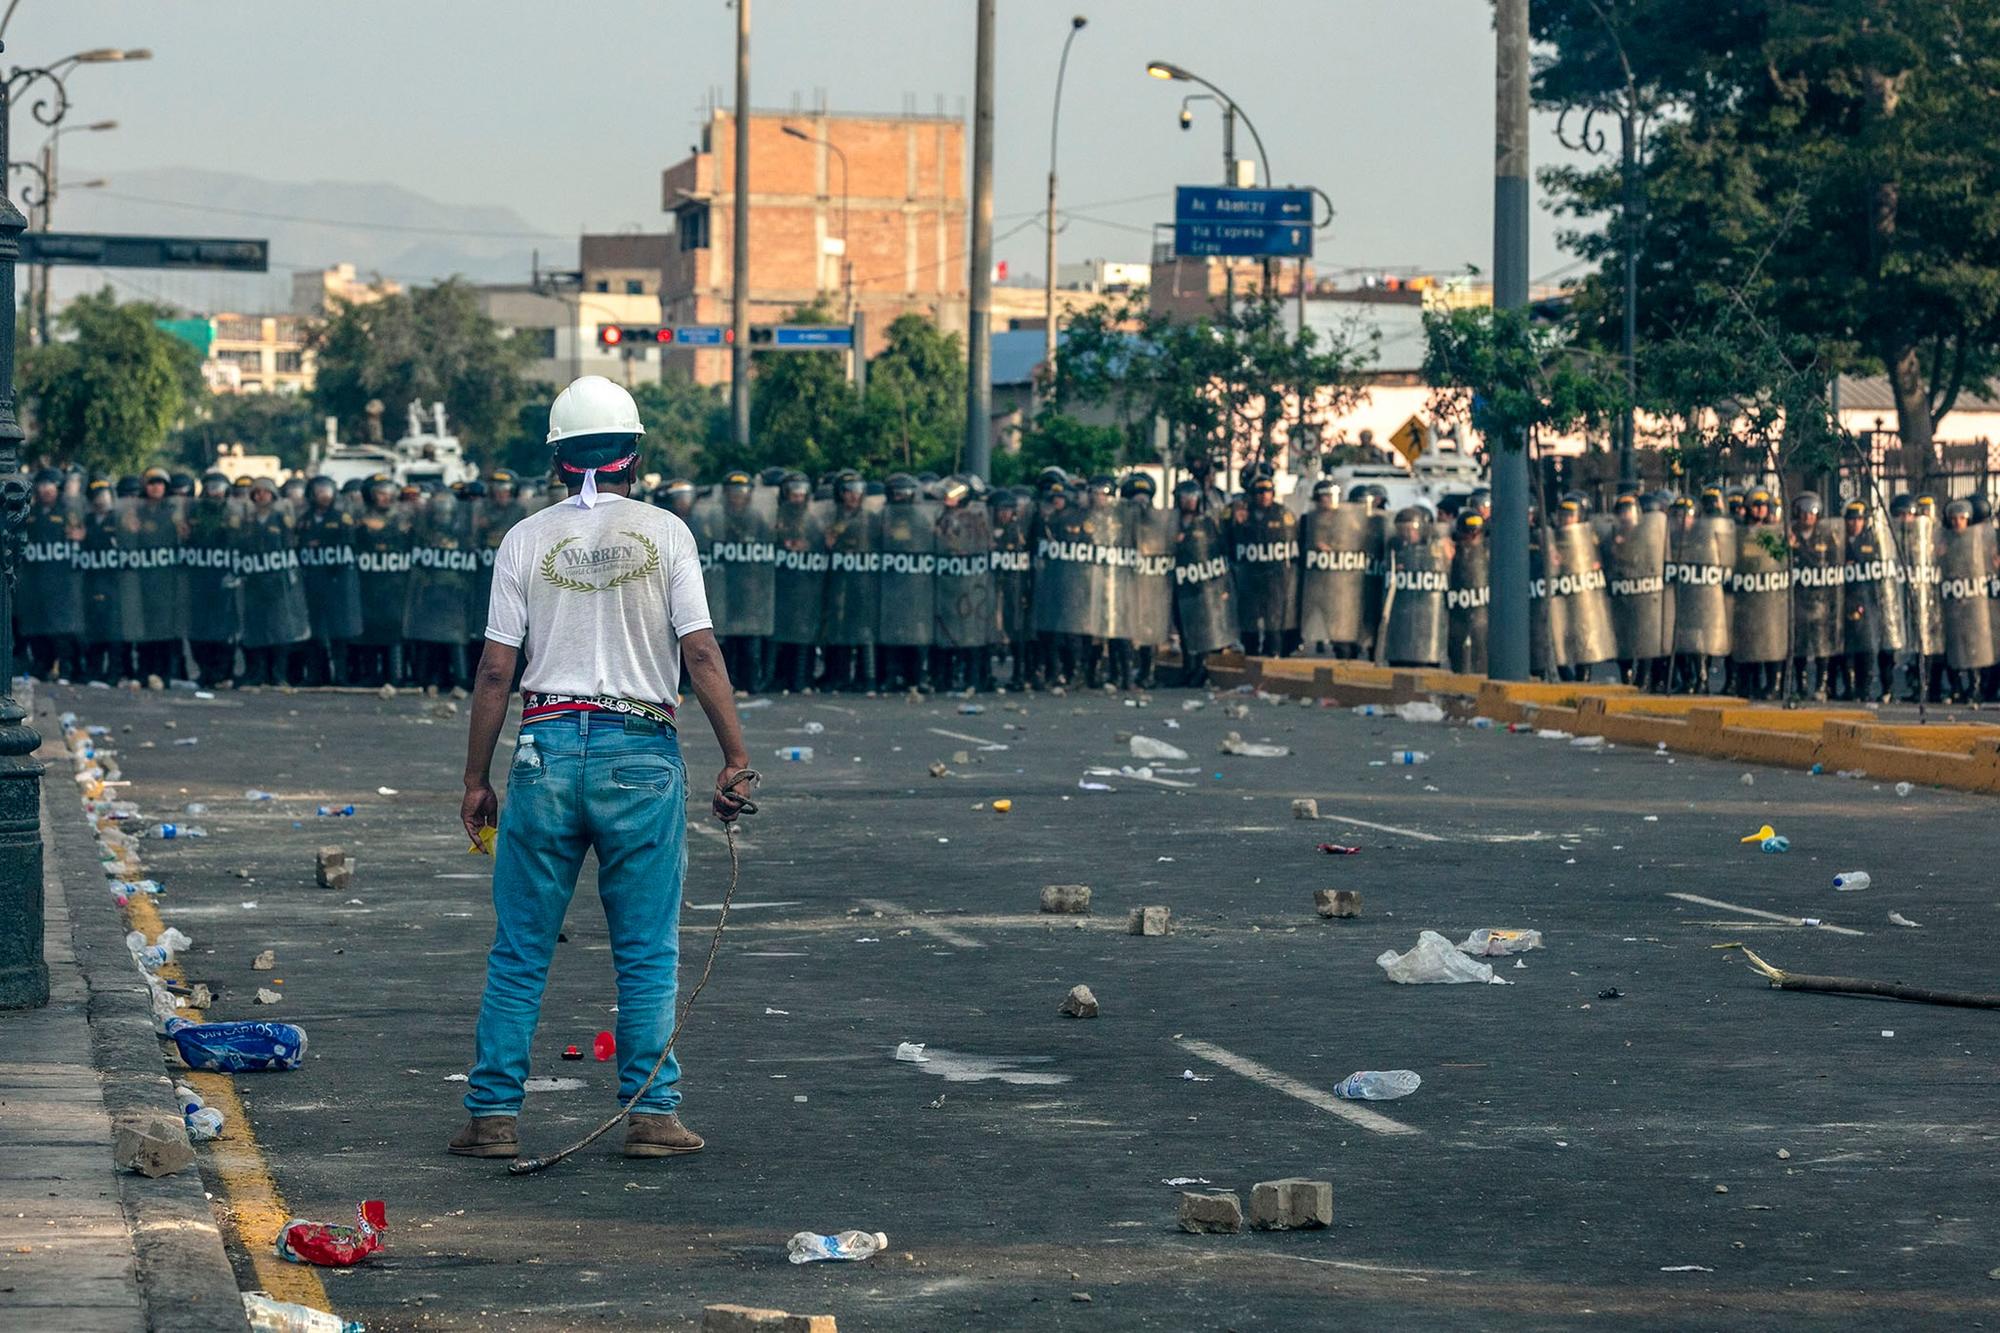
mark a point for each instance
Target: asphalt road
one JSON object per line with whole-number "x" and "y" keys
{"x": 1566, "y": 1159}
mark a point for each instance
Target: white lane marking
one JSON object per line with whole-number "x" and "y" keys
{"x": 1385, "y": 828}
{"x": 903, "y": 916}
{"x": 1768, "y": 916}
{"x": 980, "y": 741}
{"x": 1291, "y": 1087}
{"x": 1415, "y": 1274}
{"x": 481, "y": 875}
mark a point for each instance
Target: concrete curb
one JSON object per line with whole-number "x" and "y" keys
{"x": 184, "y": 1273}
{"x": 1955, "y": 755}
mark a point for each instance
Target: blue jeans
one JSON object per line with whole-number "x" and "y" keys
{"x": 585, "y": 783}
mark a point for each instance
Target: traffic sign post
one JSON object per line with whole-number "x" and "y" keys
{"x": 170, "y": 252}
{"x": 763, "y": 337}
{"x": 1266, "y": 224}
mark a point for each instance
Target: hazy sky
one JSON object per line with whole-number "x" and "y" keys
{"x": 567, "y": 111}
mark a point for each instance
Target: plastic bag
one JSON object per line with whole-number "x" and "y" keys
{"x": 1490, "y": 942}
{"x": 1420, "y": 710}
{"x": 1435, "y": 959}
{"x": 1234, "y": 743}
{"x": 1145, "y": 747}
{"x": 333, "y": 1246}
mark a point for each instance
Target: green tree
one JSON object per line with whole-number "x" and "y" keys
{"x": 686, "y": 424}
{"x": 912, "y": 418}
{"x": 428, "y": 345}
{"x": 1056, "y": 439}
{"x": 107, "y": 393}
{"x": 801, "y": 409}
{"x": 263, "y": 423}
{"x": 1512, "y": 379}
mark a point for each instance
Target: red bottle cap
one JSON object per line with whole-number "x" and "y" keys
{"x": 572, "y": 1053}
{"x": 605, "y": 1046}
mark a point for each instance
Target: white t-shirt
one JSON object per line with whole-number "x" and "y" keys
{"x": 598, "y": 599}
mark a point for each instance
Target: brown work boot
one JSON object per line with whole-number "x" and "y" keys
{"x": 486, "y": 1136}
{"x": 660, "y": 1136}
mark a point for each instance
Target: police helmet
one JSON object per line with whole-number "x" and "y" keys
{"x": 900, "y": 487}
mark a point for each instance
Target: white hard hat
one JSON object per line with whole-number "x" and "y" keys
{"x": 593, "y": 405}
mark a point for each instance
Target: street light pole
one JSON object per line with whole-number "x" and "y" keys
{"x": 1507, "y": 632}
{"x": 1231, "y": 111}
{"x": 739, "y": 302}
{"x": 1076, "y": 25}
{"x": 979, "y": 315}
{"x": 39, "y": 285}
{"x": 24, "y": 974}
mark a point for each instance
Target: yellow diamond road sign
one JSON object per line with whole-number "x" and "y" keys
{"x": 1409, "y": 440}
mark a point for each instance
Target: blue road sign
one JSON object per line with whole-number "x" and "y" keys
{"x": 811, "y": 335}
{"x": 1269, "y": 240}
{"x": 1215, "y": 203}
{"x": 698, "y": 335}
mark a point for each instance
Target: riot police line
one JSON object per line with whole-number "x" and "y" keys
{"x": 920, "y": 582}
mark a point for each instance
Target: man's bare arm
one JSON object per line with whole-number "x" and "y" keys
{"x": 489, "y": 713}
{"x": 701, "y": 657}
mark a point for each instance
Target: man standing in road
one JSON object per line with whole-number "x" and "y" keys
{"x": 602, "y": 596}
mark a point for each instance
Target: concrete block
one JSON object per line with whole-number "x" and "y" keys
{"x": 1149, "y": 921}
{"x": 1291, "y": 1204}
{"x": 1079, "y": 1003}
{"x": 1073, "y": 899}
{"x": 750, "y": 1319}
{"x": 152, "y": 1145}
{"x": 330, "y": 856}
{"x": 1211, "y": 1210}
{"x": 1305, "y": 808}
{"x": 1337, "y": 902}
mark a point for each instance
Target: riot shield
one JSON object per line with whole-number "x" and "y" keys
{"x": 1204, "y": 593}
{"x": 326, "y": 559}
{"x": 49, "y": 595}
{"x": 444, "y": 565}
{"x": 215, "y": 593}
{"x": 909, "y": 575}
{"x": 743, "y": 560}
{"x": 1872, "y": 604}
{"x": 1013, "y": 577}
{"x": 1065, "y": 572}
{"x": 491, "y": 524}
{"x": 1636, "y": 562}
{"x": 1546, "y": 617}
{"x": 964, "y": 584}
{"x": 1466, "y": 602}
{"x": 152, "y": 549}
{"x": 1579, "y": 588}
{"x": 1149, "y": 608}
{"x": 1760, "y": 612}
{"x": 1923, "y": 608}
{"x": 1818, "y": 570}
{"x": 382, "y": 559}
{"x": 110, "y": 590}
{"x": 705, "y": 523}
{"x": 1419, "y": 577}
{"x": 853, "y": 575}
{"x": 1704, "y": 558}
{"x": 1264, "y": 553}
{"x": 1111, "y": 525}
{"x": 274, "y": 593}
{"x": 798, "y": 588}
{"x": 1333, "y": 575}
{"x": 1966, "y": 562}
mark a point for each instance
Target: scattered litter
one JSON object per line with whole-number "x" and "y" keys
{"x": 188, "y": 741}
{"x": 387, "y": 791}
{"x": 1748, "y": 779}
{"x": 795, "y": 754}
{"x": 1407, "y": 758}
{"x": 938, "y": 770}
{"x": 572, "y": 1053}
{"x": 1764, "y": 834}
{"x": 167, "y": 832}
{"x": 781, "y": 1013}
{"x": 604, "y": 1046}
{"x": 334, "y": 811}
{"x": 1085, "y": 784}
{"x": 1079, "y": 1003}
{"x": 1587, "y": 743}
{"x": 541, "y": 1083}
{"x": 1851, "y": 881}
{"x": 1686, "y": 1268}
{"x": 1189, "y": 1076}
{"x": 1775, "y": 845}
{"x": 266, "y": 1312}
{"x": 1420, "y": 710}
{"x": 1336, "y": 849}
{"x": 1193, "y": 705}
{"x": 1145, "y": 747}
{"x": 808, "y": 1247}
{"x": 1337, "y": 902}
{"x": 457, "y": 1078}
{"x": 1652, "y": 819}
{"x": 237, "y": 1048}
{"x": 1488, "y": 942}
{"x": 1305, "y": 808}
{"x": 1002, "y": 806}
{"x": 194, "y": 808}
{"x": 1234, "y": 743}
{"x": 1902, "y": 788}
{"x": 1550, "y": 734}
{"x": 1377, "y": 1085}
{"x": 911, "y": 1053}
{"x": 1175, "y": 1182}
{"x": 1898, "y": 919}
{"x": 1611, "y": 993}
{"x": 1434, "y": 960}
{"x": 264, "y": 961}
{"x": 747, "y": 705}
{"x": 334, "y": 1246}
{"x": 971, "y": 710}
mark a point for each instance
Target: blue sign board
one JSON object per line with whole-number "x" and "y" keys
{"x": 1214, "y": 220}
{"x": 811, "y": 335}
{"x": 698, "y": 335}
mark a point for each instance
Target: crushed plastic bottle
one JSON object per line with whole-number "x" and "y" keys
{"x": 1420, "y": 710}
{"x": 1905, "y": 788}
{"x": 204, "y": 1123}
{"x": 1378, "y": 1085}
{"x": 1145, "y": 747}
{"x": 1234, "y": 743}
{"x": 330, "y": 1245}
{"x": 335, "y": 811}
{"x": 269, "y": 1315}
{"x": 170, "y": 831}
{"x": 814, "y": 728}
{"x": 1778, "y": 844}
{"x": 236, "y": 1048}
{"x": 808, "y": 1246}
{"x": 160, "y": 952}
{"x": 1851, "y": 881}
{"x": 1370, "y": 710}
{"x": 1407, "y": 758}
{"x": 194, "y": 808}
{"x": 253, "y": 794}
{"x": 796, "y": 754}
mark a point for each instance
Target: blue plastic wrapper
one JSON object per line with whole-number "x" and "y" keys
{"x": 237, "y": 1048}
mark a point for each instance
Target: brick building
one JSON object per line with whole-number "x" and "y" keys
{"x": 884, "y": 235}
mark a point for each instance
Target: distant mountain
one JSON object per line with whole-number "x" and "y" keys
{"x": 376, "y": 226}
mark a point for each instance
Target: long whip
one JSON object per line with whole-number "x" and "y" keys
{"x": 745, "y": 806}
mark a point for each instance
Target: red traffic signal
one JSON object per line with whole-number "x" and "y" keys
{"x": 610, "y": 335}
{"x": 613, "y": 335}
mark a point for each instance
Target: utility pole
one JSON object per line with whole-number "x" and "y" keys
{"x": 1507, "y": 618}
{"x": 1076, "y": 25}
{"x": 739, "y": 301}
{"x": 979, "y": 330}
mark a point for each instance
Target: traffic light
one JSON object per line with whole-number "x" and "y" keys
{"x": 617, "y": 335}
{"x": 760, "y": 335}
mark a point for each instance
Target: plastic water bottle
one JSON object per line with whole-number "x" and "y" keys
{"x": 194, "y": 808}
{"x": 1405, "y": 758}
{"x": 335, "y": 811}
{"x": 204, "y": 1123}
{"x": 176, "y": 831}
{"x": 274, "y": 1316}
{"x": 253, "y": 794}
{"x": 1481, "y": 724}
{"x": 797, "y": 754}
{"x": 1378, "y": 1085}
{"x": 235, "y": 1048}
{"x": 1851, "y": 881}
{"x": 1370, "y": 710}
{"x": 809, "y": 1246}
{"x": 814, "y": 728}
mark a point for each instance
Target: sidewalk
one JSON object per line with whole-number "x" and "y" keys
{"x": 85, "y": 1246}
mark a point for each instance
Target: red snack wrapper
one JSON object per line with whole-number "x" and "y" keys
{"x": 1335, "y": 849}
{"x": 334, "y": 1246}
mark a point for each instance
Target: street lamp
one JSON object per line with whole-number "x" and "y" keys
{"x": 1076, "y": 26}
{"x": 846, "y": 264}
{"x": 1231, "y": 113}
